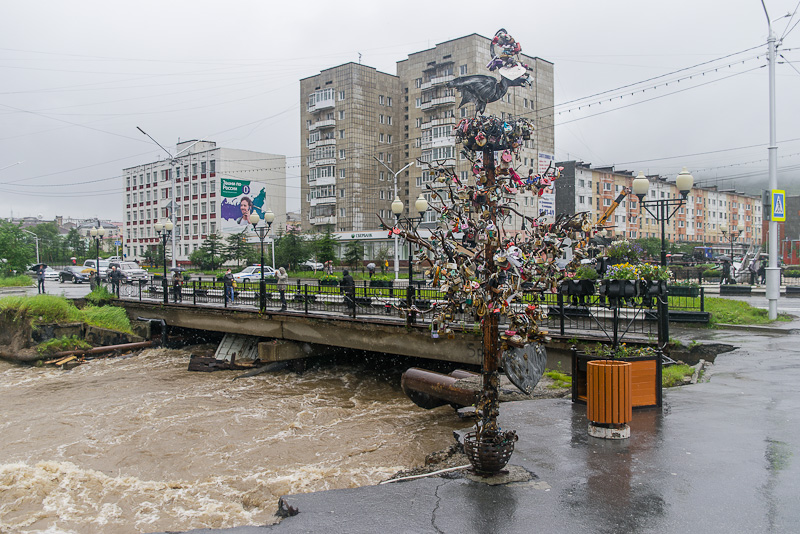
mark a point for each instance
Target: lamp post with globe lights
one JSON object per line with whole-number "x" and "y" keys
{"x": 262, "y": 232}
{"x": 732, "y": 233}
{"x": 662, "y": 213}
{"x": 164, "y": 231}
{"x": 97, "y": 234}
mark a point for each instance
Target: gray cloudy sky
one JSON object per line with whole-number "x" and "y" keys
{"x": 77, "y": 78}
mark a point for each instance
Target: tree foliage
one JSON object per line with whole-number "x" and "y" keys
{"x": 17, "y": 250}
{"x": 290, "y": 249}
{"x": 353, "y": 254}
{"x": 323, "y": 246}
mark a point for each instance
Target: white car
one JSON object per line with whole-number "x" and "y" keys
{"x": 314, "y": 265}
{"x": 253, "y": 273}
{"x": 51, "y": 274}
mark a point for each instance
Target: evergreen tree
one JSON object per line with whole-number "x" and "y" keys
{"x": 289, "y": 250}
{"x": 353, "y": 254}
{"x": 323, "y": 246}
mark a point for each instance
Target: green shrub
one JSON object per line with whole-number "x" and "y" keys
{"x": 100, "y": 296}
{"x": 560, "y": 380}
{"x": 673, "y": 375}
{"x": 54, "y": 309}
{"x": 586, "y": 272}
{"x": 792, "y": 273}
{"x": 60, "y": 344}
{"x": 16, "y": 281}
{"x": 712, "y": 273}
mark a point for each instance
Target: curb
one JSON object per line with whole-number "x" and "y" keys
{"x": 760, "y": 329}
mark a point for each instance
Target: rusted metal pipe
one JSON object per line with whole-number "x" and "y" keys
{"x": 461, "y": 373}
{"x": 100, "y": 350}
{"x": 428, "y": 389}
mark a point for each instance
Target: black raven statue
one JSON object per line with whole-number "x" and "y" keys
{"x": 481, "y": 90}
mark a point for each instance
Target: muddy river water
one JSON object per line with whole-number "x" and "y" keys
{"x": 139, "y": 444}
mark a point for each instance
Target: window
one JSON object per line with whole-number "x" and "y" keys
{"x": 418, "y": 102}
{"x": 462, "y": 70}
{"x": 341, "y": 193}
{"x": 389, "y": 138}
{"x": 341, "y": 153}
{"x": 194, "y": 169}
{"x": 341, "y": 114}
{"x": 202, "y": 167}
{"x": 380, "y": 118}
{"x": 186, "y": 229}
{"x": 341, "y": 173}
{"x": 194, "y": 229}
{"x": 203, "y": 206}
{"x": 380, "y": 194}
{"x": 389, "y": 101}
{"x": 148, "y": 195}
{"x": 581, "y": 183}
{"x": 341, "y": 95}
{"x": 204, "y": 187}
{"x": 128, "y": 181}
{"x": 580, "y": 200}
{"x": 128, "y": 198}
{"x": 341, "y": 212}
{"x": 389, "y": 120}
{"x": 341, "y": 134}
{"x": 606, "y": 202}
{"x": 380, "y": 138}
{"x": 212, "y": 166}
{"x": 606, "y": 186}
{"x": 212, "y": 206}
{"x": 194, "y": 188}
{"x": 134, "y": 181}
{"x": 463, "y": 112}
{"x": 203, "y": 228}
{"x": 419, "y": 122}
{"x": 211, "y": 185}
{"x": 381, "y": 176}
{"x": 380, "y": 99}
{"x": 213, "y": 226}
{"x": 418, "y": 83}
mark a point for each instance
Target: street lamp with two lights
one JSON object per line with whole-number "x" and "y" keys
{"x": 97, "y": 234}
{"x": 262, "y": 232}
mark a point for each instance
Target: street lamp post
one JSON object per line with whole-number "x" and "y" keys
{"x": 396, "y": 214}
{"x": 262, "y": 232}
{"x": 732, "y": 233}
{"x": 641, "y": 184}
{"x": 97, "y": 234}
{"x": 36, "y": 240}
{"x": 413, "y": 223}
{"x": 164, "y": 231}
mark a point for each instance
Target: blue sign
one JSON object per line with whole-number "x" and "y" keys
{"x": 778, "y": 205}
{"x": 117, "y": 243}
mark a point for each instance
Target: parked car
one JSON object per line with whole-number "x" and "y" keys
{"x": 129, "y": 270}
{"x": 50, "y": 274}
{"x": 253, "y": 273}
{"x": 103, "y": 266}
{"x": 311, "y": 264}
{"x": 113, "y": 259}
{"x": 74, "y": 274}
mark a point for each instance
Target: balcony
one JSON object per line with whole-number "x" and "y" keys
{"x": 327, "y": 123}
{"x": 326, "y": 180}
{"x": 438, "y": 102}
{"x": 439, "y": 141}
{"x": 323, "y": 200}
{"x": 439, "y": 80}
{"x": 331, "y": 219}
{"x": 438, "y": 122}
{"x": 322, "y": 162}
{"x": 319, "y": 105}
{"x": 322, "y": 142}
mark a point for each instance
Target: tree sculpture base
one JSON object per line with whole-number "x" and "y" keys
{"x": 490, "y": 452}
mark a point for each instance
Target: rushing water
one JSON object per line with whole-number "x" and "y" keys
{"x": 140, "y": 444}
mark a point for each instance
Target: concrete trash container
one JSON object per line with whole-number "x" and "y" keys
{"x": 609, "y": 406}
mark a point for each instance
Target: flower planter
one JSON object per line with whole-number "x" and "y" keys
{"x": 329, "y": 283}
{"x": 653, "y": 288}
{"x": 619, "y": 288}
{"x": 381, "y": 283}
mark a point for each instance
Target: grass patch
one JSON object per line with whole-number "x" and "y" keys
{"x": 100, "y": 296}
{"x": 59, "y": 344}
{"x": 730, "y": 311}
{"x": 54, "y": 309}
{"x": 16, "y": 281}
{"x": 673, "y": 375}
{"x": 560, "y": 380}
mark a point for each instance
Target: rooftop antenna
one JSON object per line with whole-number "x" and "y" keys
{"x": 359, "y": 58}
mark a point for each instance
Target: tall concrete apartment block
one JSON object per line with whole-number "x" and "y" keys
{"x": 193, "y": 180}
{"x": 355, "y": 114}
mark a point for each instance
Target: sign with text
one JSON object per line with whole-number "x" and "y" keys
{"x": 240, "y": 198}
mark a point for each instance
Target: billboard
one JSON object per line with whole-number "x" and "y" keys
{"x": 240, "y": 198}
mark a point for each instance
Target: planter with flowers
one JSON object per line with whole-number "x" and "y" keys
{"x": 620, "y": 282}
{"x": 581, "y": 285}
{"x": 653, "y": 280}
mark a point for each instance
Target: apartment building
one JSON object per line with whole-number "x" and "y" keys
{"x": 359, "y": 121}
{"x": 705, "y": 217}
{"x": 194, "y": 191}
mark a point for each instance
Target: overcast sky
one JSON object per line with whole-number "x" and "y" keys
{"x": 77, "y": 78}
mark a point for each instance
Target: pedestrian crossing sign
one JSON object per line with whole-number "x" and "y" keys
{"x": 778, "y": 205}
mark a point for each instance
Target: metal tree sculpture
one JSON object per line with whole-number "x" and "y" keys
{"x": 495, "y": 274}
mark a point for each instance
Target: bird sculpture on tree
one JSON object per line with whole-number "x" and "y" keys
{"x": 480, "y": 89}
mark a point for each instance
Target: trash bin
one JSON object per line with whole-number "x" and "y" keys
{"x": 609, "y": 407}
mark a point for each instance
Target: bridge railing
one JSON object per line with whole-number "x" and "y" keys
{"x": 564, "y": 314}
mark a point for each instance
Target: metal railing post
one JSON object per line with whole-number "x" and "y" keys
{"x": 305, "y": 297}
{"x": 560, "y": 298}
{"x": 194, "y": 291}
{"x": 702, "y": 299}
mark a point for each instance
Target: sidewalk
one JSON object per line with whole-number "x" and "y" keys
{"x": 719, "y": 457}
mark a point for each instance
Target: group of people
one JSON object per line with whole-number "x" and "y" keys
{"x": 758, "y": 275}
{"x": 229, "y": 284}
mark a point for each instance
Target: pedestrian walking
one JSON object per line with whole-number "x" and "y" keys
{"x": 371, "y": 269}
{"x": 283, "y": 285}
{"x": 348, "y": 287}
{"x": 40, "y": 278}
{"x": 177, "y": 286}
{"x": 762, "y": 272}
{"x": 753, "y": 272}
{"x": 227, "y": 282}
{"x": 115, "y": 276}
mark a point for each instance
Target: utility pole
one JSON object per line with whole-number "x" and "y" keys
{"x": 773, "y": 272}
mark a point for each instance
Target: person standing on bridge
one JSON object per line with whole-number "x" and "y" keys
{"x": 283, "y": 285}
{"x": 349, "y": 290}
{"x": 177, "y": 284}
{"x": 227, "y": 282}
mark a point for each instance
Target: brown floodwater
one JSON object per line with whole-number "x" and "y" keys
{"x": 140, "y": 444}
